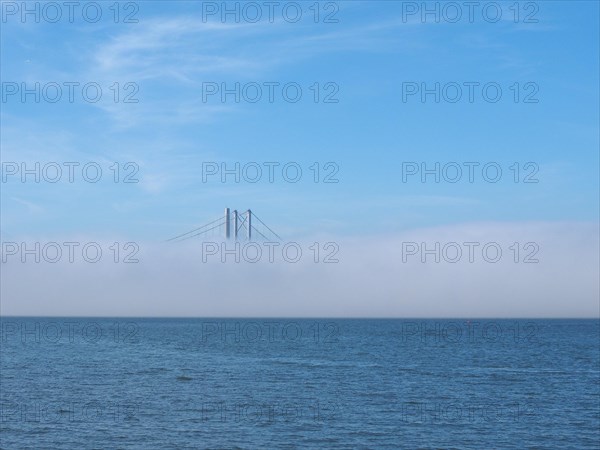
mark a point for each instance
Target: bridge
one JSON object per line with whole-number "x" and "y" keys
{"x": 239, "y": 226}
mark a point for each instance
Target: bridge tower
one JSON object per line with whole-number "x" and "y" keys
{"x": 249, "y": 215}
{"x": 235, "y": 224}
{"x": 227, "y": 224}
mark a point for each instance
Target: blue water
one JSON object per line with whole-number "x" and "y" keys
{"x": 279, "y": 383}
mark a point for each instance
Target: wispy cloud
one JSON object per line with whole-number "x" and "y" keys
{"x": 32, "y": 208}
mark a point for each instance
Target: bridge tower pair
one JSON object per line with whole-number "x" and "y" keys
{"x": 237, "y": 224}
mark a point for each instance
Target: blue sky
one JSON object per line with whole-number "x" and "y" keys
{"x": 369, "y": 133}
{"x": 366, "y": 60}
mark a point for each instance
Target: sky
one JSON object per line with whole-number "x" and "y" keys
{"x": 506, "y": 92}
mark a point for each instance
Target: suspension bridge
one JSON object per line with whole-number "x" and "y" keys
{"x": 232, "y": 225}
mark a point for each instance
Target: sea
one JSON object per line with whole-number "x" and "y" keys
{"x": 210, "y": 383}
